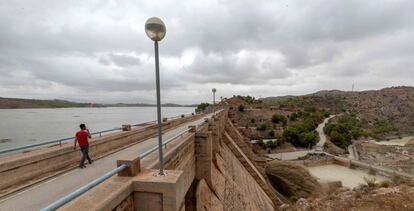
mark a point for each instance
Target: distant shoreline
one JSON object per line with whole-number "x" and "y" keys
{"x": 138, "y": 106}
{"x": 17, "y": 103}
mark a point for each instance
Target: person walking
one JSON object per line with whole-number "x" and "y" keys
{"x": 81, "y": 137}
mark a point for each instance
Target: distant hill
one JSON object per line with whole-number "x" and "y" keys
{"x": 145, "y": 105}
{"x": 32, "y": 103}
{"x": 15, "y": 103}
{"x": 395, "y": 104}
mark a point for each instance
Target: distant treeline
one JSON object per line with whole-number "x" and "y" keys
{"x": 14, "y": 103}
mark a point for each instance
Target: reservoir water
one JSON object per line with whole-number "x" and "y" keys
{"x": 350, "y": 178}
{"x": 20, "y": 127}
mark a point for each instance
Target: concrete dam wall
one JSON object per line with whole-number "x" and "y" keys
{"x": 205, "y": 170}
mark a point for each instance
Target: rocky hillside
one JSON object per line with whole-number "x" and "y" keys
{"x": 395, "y": 104}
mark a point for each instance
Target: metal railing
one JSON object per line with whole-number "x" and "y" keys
{"x": 62, "y": 201}
{"x": 66, "y": 199}
{"x": 59, "y": 141}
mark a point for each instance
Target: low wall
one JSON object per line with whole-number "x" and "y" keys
{"x": 372, "y": 169}
{"x": 22, "y": 169}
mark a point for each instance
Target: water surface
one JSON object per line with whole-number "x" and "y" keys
{"x": 28, "y": 126}
{"x": 350, "y": 178}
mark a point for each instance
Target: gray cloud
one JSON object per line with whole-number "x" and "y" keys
{"x": 119, "y": 60}
{"x": 99, "y": 51}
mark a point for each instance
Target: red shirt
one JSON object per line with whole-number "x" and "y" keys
{"x": 82, "y": 137}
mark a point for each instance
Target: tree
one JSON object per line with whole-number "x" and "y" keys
{"x": 345, "y": 128}
{"x": 309, "y": 138}
{"x": 201, "y": 107}
{"x": 249, "y": 99}
{"x": 276, "y": 118}
{"x": 300, "y": 135}
{"x": 262, "y": 127}
{"x": 293, "y": 116}
{"x": 241, "y": 108}
{"x": 272, "y": 144}
{"x": 292, "y": 135}
{"x": 342, "y": 140}
{"x": 308, "y": 124}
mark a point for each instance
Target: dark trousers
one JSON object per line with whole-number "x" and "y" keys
{"x": 85, "y": 155}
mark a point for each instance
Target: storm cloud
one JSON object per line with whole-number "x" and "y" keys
{"x": 98, "y": 51}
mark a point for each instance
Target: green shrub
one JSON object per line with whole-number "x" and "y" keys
{"x": 303, "y": 135}
{"x": 309, "y": 137}
{"x": 342, "y": 132}
{"x": 383, "y": 126}
{"x": 201, "y": 107}
{"x": 260, "y": 143}
{"x": 272, "y": 133}
{"x": 292, "y": 135}
{"x": 262, "y": 127}
{"x": 293, "y": 116}
{"x": 277, "y": 118}
{"x": 342, "y": 140}
{"x": 272, "y": 144}
{"x": 309, "y": 109}
{"x": 249, "y": 99}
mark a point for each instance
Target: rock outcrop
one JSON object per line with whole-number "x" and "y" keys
{"x": 292, "y": 180}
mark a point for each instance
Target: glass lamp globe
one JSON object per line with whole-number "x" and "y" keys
{"x": 214, "y": 90}
{"x": 155, "y": 29}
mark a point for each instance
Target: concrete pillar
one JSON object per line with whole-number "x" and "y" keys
{"x": 134, "y": 166}
{"x": 204, "y": 156}
{"x": 153, "y": 192}
{"x": 214, "y": 128}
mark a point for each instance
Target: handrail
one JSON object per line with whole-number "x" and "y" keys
{"x": 62, "y": 201}
{"x": 13, "y": 149}
{"x": 146, "y": 153}
{"x": 55, "y": 205}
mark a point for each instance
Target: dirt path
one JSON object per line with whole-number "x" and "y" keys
{"x": 322, "y": 135}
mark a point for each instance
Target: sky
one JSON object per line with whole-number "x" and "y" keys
{"x": 97, "y": 51}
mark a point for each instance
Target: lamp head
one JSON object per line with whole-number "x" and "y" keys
{"x": 214, "y": 90}
{"x": 155, "y": 29}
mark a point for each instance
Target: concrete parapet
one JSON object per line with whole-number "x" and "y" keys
{"x": 134, "y": 166}
{"x": 155, "y": 192}
{"x": 22, "y": 169}
{"x": 192, "y": 128}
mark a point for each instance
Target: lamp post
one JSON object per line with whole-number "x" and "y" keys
{"x": 155, "y": 30}
{"x": 214, "y": 99}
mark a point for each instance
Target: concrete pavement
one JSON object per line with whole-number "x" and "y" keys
{"x": 42, "y": 194}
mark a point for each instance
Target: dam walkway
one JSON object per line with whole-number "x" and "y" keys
{"x": 48, "y": 191}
